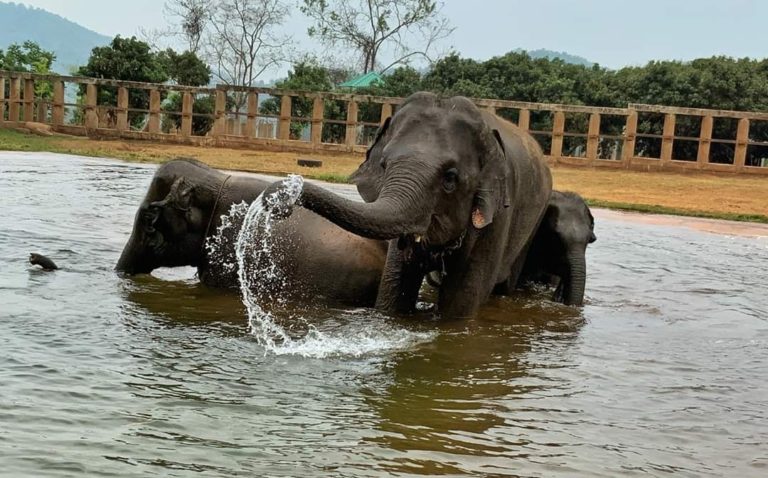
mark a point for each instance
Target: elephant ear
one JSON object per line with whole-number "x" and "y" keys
{"x": 492, "y": 195}
{"x": 179, "y": 196}
{"x": 180, "y": 199}
{"x": 369, "y": 176}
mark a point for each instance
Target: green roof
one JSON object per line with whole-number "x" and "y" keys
{"x": 364, "y": 81}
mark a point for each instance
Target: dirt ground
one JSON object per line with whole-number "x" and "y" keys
{"x": 695, "y": 192}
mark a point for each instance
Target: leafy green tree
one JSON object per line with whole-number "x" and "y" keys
{"x": 29, "y": 57}
{"x": 125, "y": 59}
{"x": 189, "y": 70}
{"x": 307, "y": 76}
{"x": 399, "y": 83}
{"x": 185, "y": 68}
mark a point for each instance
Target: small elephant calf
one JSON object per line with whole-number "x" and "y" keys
{"x": 557, "y": 253}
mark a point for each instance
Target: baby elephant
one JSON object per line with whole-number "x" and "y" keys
{"x": 557, "y": 253}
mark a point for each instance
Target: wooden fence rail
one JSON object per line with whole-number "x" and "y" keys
{"x": 645, "y": 137}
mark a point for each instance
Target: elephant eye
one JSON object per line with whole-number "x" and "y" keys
{"x": 450, "y": 179}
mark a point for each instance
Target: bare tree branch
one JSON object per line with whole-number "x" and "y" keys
{"x": 373, "y": 26}
{"x": 191, "y": 17}
{"x": 238, "y": 38}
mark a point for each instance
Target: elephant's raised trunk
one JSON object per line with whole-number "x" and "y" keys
{"x": 573, "y": 294}
{"x": 394, "y": 213}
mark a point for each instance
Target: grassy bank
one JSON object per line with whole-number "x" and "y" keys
{"x": 732, "y": 197}
{"x": 672, "y": 211}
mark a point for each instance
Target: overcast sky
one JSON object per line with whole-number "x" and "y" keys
{"x": 613, "y": 33}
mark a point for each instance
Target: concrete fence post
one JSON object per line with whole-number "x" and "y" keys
{"x": 318, "y": 113}
{"x": 705, "y": 140}
{"x": 284, "y": 130}
{"x": 351, "y": 125}
{"x": 153, "y": 125}
{"x": 593, "y": 136}
{"x": 186, "y": 114}
{"x": 558, "y": 131}
{"x": 57, "y": 109}
{"x": 15, "y": 100}
{"x": 2, "y": 98}
{"x": 386, "y": 112}
{"x": 524, "y": 119}
{"x": 122, "y": 109}
{"x": 630, "y": 136}
{"x": 91, "y": 117}
{"x": 253, "y": 111}
{"x": 41, "y": 115}
{"x": 220, "y": 113}
{"x": 667, "y": 138}
{"x": 29, "y": 99}
{"x": 742, "y": 143}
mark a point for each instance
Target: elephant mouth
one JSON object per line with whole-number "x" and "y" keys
{"x": 419, "y": 248}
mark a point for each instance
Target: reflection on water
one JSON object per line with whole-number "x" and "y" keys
{"x": 663, "y": 371}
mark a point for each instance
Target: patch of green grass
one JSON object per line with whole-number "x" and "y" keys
{"x": 329, "y": 177}
{"x": 11, "y": 140}
{"x": 671, "y": 211}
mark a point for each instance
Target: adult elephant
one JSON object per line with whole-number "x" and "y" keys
{"x": 456, "y": 189}
{"x": 558, "y": 251}
{"x": 184, "y": 206}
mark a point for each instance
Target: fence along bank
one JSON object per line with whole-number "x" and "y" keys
{"x": 640, "y": 137}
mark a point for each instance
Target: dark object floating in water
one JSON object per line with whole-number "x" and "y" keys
{"x": 310, "y": 163}
{"x": 42, "y": 261}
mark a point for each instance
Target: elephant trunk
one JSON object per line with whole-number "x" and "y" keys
{"x": 394, "y": 213}
{"x": 131, "y": 258}
{"x": 137, "y": 256}
{"x": 577, "y": 276}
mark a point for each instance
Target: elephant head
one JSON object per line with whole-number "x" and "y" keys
{"x": 565, "y": 232}
{"x": 434, "y": 170}
{"x": 170, "y": 225}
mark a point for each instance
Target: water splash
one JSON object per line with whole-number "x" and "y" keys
{"x": 261, "y": 280}
{"x": 220, "y": 247}
{"x": 256, "y": 267}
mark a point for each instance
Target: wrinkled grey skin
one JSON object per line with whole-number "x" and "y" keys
{"x": 558, "y": 252}
{"x": 455, "y": 189}
{"x": 317, "y": 257}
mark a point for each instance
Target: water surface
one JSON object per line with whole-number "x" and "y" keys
{"x": 663, "y": 371}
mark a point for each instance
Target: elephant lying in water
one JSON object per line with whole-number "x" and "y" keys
{"x": 184, "y": 206}
{"x": 558, "y": 250}
{"x": 455, "y": 189}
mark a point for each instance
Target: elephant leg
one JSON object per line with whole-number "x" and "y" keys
{"x": 400, "y": 282}
{"x": 559, "y": 294}
{"x": 465, "y": 289}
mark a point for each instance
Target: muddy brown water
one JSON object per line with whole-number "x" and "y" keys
{"x": 662, "y": 373}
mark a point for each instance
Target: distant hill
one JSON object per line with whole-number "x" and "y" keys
{"x": 566, "y": 57}
{"x": 70, "y": 42}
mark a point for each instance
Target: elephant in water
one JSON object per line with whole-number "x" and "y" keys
{"x": 184, "y": 207}
{"x": 559, "y": 248}
{"x": 454, "y": 189}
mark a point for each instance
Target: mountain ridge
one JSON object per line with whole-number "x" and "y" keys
{"x": 72, "y": 43}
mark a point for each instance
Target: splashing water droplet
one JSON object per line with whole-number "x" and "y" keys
{"x": 255, "y": 266}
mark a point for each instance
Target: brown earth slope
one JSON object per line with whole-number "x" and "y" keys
{"x": 706, "y": 194}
